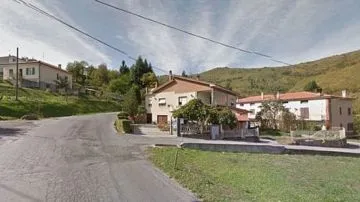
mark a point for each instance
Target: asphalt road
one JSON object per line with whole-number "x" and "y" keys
{"x": 79, "y": 159}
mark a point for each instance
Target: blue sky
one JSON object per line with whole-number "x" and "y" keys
{"x": 289, "y": 30}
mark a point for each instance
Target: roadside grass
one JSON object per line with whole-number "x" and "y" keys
{"x": 47, "y": 104}
{"x": 216, "y": 176}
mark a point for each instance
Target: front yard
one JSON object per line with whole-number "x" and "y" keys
{"x": 216, "y": 176}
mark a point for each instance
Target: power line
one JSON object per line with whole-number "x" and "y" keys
{"x": 190, "y": 33}
{"x": 39, "y": 10}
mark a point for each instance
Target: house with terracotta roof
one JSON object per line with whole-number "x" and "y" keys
{"x": 331, "y": 110}
{"x": 177, "y": 91}
{"x": 34, "y": 73}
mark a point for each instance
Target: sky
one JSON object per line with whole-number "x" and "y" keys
{"x": 288, "y": 30}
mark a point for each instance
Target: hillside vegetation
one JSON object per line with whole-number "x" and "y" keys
{"x": 333, "y": 74}
{"x": 46, "y": 104}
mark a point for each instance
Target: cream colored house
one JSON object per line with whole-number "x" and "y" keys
{"x": 163, "y": 100}
{"x": 331, "y": 110}
{"x": 35, "y": 74}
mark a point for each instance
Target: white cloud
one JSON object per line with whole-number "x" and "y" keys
{"x": 43, "y": 38}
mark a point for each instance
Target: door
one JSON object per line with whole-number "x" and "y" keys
{"x": 162, "y": 119}
{"x": 148, "y": 118}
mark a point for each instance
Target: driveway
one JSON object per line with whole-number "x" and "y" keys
{"x": 80, "y": 158}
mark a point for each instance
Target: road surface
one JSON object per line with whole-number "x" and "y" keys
{"x": 79, "y": 158}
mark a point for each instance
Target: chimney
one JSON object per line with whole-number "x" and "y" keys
{"x": 198, "y": 77}
{"x": 343, "y": 93}
{"x": 262, "y": 95}
{"x": 59, "y": 66}
{"x": 170, "y": 75}
{"x": 278, "y": 95}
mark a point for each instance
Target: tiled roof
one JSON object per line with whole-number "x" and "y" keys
{"x": 287, "y": 97}
{"x": 195, "y": 81}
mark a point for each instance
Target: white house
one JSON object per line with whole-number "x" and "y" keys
{"x": 163, "y": 100}
{"x": 33, "y": 73}
{"x": 334, "y": 111}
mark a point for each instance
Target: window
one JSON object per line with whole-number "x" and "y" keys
{"x": 349, "y": 111}
{"x": 66, "y": 78}
{"x": 304, "y": 112}
{"x": 11, "y": 72}
{"x": 241, "y": 104}
{"x": 304, "y": 101}
{"x": 252, "y": 104}
{"x": 341, "y": 125}
{"x": 150, "y": 103}
{"x": 350, "y": 126}
{"x": 285, "y": 102}
{"x": 162, "y": 102}
{"x": 252, "y": 111}
{"x": 57, "y": 76}
{"x": 340, "y": 111}
{"x": 30, "y": 71}
{"x": 182, "y": 100}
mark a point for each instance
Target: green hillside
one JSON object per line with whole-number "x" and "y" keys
{"x": 47, "y": 104}
{"x": 332, "y": 74}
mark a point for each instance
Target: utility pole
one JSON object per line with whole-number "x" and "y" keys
{"x": 17, "y": 75}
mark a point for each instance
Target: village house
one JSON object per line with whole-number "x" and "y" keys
{"x": 330, "y": 110}
{"x": 177, "y": 91}
{"x": 33, "y": 73}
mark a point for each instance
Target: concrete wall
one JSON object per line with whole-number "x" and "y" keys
{"x": 344, "y": 118}
{"x": 8, "y": 67}
{"x": 172, "y": 103}
{"x": 48, "y": 75}
{"x": 224, "y": 99}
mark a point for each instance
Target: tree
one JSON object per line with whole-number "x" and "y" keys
{"x": 131, "y": 101}
{"x": 183, "y": 74}
{"x": 228, "y": 84}
{"x": 149, "y": 80}
{"x": 196, "y": 110}
{"x": 62, "y": 84}
{"x": 140, "y": 68}
{"x": 124, "y": 69}
{"x": 288, "y": 120}
{"x": 120, "y": 85}
{"x": 312, "y": 86}
{"x": 77, "y": 70}
{"x": 100, "y": 76}
{"x": 269, "y": 114}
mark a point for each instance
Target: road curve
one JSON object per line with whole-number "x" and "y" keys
{"x": 78, "y": 158}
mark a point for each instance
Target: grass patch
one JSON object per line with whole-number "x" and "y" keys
{"x": 216, "y": 176}
{"x": 46, "y": 104}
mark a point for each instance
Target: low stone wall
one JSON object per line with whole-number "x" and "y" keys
{"x": 321, "y": 143}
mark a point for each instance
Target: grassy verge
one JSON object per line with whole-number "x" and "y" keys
{"x": 118, "y": 126}
{"x": 216, "y": 176}
{"x": 47, "y": 104}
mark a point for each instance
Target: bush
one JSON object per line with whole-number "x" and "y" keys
{"x": 123, "y": 126}
{"x": 30, "y": 117}
{"x": 126, "y": 126}
{"x": 122, "y": 115}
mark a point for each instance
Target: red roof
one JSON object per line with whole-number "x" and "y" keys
{"x": 288, "y": 97}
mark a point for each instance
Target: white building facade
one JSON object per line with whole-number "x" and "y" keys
{"x": 334, "y": 111}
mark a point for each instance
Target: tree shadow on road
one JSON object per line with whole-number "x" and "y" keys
{"x": 5, "y": 132}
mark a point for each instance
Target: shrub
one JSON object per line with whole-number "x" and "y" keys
{"x": 30, "y": 117}
{"x": 122, "y": 115}
{"x": 126, "y": 126}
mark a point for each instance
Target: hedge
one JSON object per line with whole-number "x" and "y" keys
{"x": 123, "y": 126}
{"x": 122, "y": 115}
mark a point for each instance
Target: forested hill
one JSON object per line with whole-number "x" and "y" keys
{"x": 332, "y": 74}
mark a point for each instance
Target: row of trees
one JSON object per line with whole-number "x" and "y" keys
{"x": 128, "y": 82}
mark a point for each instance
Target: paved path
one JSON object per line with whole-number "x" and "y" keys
{"x": 80, "y": 159}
